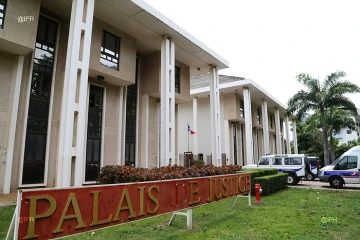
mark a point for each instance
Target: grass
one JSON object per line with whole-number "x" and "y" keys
{"x": 6, "y": 214}
{"x": 288, "y": 214}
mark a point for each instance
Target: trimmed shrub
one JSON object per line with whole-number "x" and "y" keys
{"x": 111, "y": 174}
{"x": 258, "y": 172}
{"x": 272, "y": 183}
{"x": 196, "y": 162}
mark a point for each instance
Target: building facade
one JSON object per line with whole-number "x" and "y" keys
{"x": 346, "y": 135}
{"x": 88, "y": 83}
{"x": 252, "y": 122}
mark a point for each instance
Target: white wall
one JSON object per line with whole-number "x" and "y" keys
{"x": 203, "y": 131}
{"x": 344, "y": 137}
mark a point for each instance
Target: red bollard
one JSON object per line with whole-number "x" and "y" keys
{"x": 258, "y": 191}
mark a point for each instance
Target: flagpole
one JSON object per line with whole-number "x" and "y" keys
{"x": 188, "y": 136}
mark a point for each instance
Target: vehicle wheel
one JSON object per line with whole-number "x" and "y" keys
{"x": 336, "y": 182}
{"x": 310, "y": 177}
{"x": 292, "y": 179}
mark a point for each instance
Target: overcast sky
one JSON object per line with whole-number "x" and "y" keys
{"x": 271, "y": 42}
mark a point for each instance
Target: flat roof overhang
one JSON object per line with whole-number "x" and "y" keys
{"x": 257, "y": 93}
{"x": 148, "y": 26}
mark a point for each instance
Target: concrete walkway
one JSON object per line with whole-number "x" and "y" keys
{"x": 8, "y": 199}
{"x": 316, "y": 184}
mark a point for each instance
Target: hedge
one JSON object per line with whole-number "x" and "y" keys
{"x": 272, "y": 183}
{"x": 258, "y": 172}
{"x": 111, "y": 174}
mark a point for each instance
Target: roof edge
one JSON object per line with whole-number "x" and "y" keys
{"x": 146, "y": 7}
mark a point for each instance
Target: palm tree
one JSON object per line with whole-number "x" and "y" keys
{"x": 320, "y": 97}
{"x": 339, "y": 119}
{"x": 335, "y": 119}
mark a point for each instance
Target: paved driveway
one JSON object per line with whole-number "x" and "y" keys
{"x": 316, "y": 184}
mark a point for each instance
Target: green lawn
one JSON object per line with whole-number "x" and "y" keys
{"x": 6, "y": 214}
{"x": 288, "y": 214}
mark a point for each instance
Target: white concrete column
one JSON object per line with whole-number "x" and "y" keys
{"x": 195, "y": 136}
{"x": 177, "y": 116}
{"x": 16, "y": 80}
{"x": 248, "y": 127}
{"x": 145, "y": 130}
{"x": 277, "y": 131}
{"x": 124, "y": 127}
{"x": 121, "y": 129}
{"x": 215, "y": 117}
{"x": 294, "y": 136}
{"x": 72, "y": 134}
{"x": 287, "y": 130}
{"x": 167, "y": 93}
{"x": 265, "y": 125}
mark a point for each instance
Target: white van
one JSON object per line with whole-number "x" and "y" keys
{"x": 293, "y": 164}
{"x": 344, "y": 170}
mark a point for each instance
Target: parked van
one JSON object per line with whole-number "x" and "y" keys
{"x": 344, "y": 170}
{"x": 294, "y": 164}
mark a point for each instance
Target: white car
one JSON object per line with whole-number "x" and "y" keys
{"x": 346, "y": 169}
{"x": 293, "y": 164}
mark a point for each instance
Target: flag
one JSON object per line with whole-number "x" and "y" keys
{"x": 191, "y": 131}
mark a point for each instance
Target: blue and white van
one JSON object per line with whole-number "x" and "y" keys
{"x": 293, "y": 164}
{"x": 346, "y": 169}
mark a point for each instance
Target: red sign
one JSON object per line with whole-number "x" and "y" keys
{"x": 55, "y": 213}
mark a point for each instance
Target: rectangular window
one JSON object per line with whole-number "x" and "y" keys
{"x": 94, "y": 133}
{"x": 277, "y": 161}
{"x": 110, "y": 48}
{"x": 348, "y": 131}
{"x": 2, "y": 12}
{"x": 39, "y": 103}
{"x": 264, "y": 161}
{"x": 242, "y": 113}
{"x": 348, "y": 162}
{"x": 177, "y": 79}
{"x": 271, "y": 121}
{"x": 258, "y": 116}
{"x": 281, "y": 125}
{"x": 131, "y": 115}
{"x": 293, "y": 161}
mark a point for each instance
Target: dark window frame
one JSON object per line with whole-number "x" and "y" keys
{"x": 34, "y": 161}
{"x": 177, "y": 79}
{"x": 92, "y": 166}
{"x": 3, "y": 11}
{"x": 107, "y": 56}
{"x": 348, "y": 131}
{"x": 242, "y": 110}
{"x": 131, "y": 119}
{"x": 271, "y": 121}
{"x": 258, "y": 115}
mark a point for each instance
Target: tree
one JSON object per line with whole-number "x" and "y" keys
{"x": 335, "y": 119}
{"x": 338, "y": 119}
{"x": 309, "y": 138}
{"x": 320, "y": 97}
